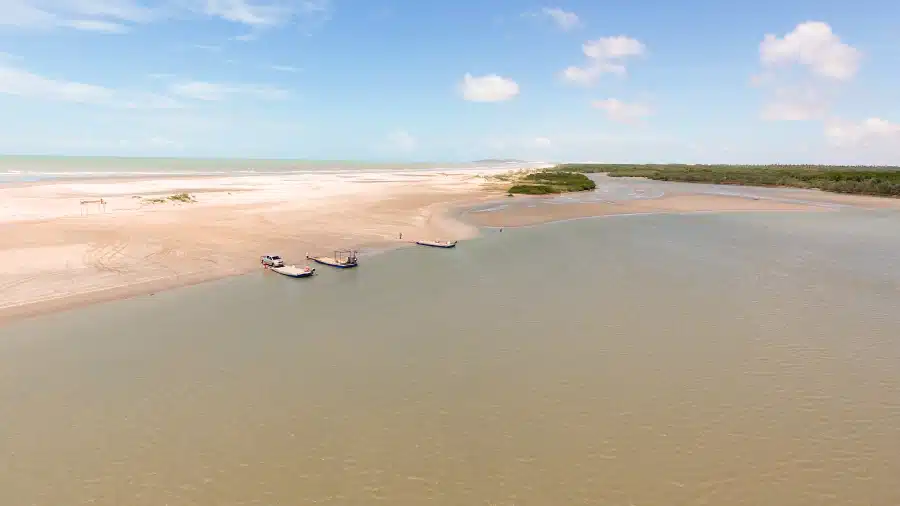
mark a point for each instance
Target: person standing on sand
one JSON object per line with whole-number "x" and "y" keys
{"x": 401, "y": 235}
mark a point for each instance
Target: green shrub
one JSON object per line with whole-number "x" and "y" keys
{"x": 532, "y": 189}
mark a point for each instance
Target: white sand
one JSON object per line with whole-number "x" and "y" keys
{"x": 56, "y": 252}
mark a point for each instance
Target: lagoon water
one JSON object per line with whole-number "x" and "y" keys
{"x": 731, "y": 359}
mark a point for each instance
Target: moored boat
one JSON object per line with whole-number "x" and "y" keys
{"x": 437, "y": 244}
{"x": 294, "y": 271}
{"x": 342, "y": 259}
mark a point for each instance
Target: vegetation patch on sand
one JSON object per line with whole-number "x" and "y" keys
{"x": 863, "y": 180}
{"x": 178, "y": 197}
{"x": 182, "y": 197}
{"x": 547, "y": 182}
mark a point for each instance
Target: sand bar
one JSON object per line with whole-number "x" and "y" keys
{"x": 60, "y": 246}
{"x": 57, "y": 252}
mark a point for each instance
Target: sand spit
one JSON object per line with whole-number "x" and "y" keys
{"x": 538, "y": 211}
{"x": 69, "y": 243}
{"x": 56, "y": 252}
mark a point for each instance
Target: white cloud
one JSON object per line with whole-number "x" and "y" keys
{"x": 814, "y": 45}
{"x": 125, "y": 10}
{"x": 248, "y": 13}
{"x": 563, "y": 19}
{"x": 792, "y": 104}
{"x": 247, "y": 37}
{"x": 106, "y": 16}
{"x": 867, "y": 133}
{"x": 402, "y": 140}
{"x": 14, "y": 81}
{"x": 622, "y": 112}
{"x": 605, "y": 55}
{"x": 542, "y": 142}
{"x": 285, "y": 68}
{"x": 199, "y": 90}
{"x": 265, "y": 14}
{"x": 212, "y": 92}
{"x": 22, "y": 13}
{"x": 825, "y": 60}
{"x": 102, "y": 15}
{"x": 209, "y": 47}
{"x": 25, "y": 84}
{"x": 489, "y": 88}
{"x": 89, "y": 25}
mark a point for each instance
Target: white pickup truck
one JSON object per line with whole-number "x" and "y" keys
{"x": 271, "y": 261}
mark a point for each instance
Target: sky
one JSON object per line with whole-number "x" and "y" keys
{"x": 696, "y": 81}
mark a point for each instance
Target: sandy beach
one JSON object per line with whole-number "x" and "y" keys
{"x": 57, "y": 252}
{"x": 61, "y": 247}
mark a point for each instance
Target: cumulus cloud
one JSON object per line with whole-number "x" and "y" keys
{"x": 489, "y": 88}
{"x": 622, "y": 112}
{"x": 824, "y": 60}
{"x": 795, "y": 104}
{"x": 213, "y": 92}
{"x": 866, "y": 133}
{"x": 605, "y": 55}
{"x": 564, "y": 19}
{"x": 814, "y": 45}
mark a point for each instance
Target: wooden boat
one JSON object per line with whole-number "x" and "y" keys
{"x": 293, "y": 271}
{"x": 437, "y": 244}
{"x": 342, "y": 259}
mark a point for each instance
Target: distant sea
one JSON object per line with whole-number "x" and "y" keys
{"x": 38, "y": 168}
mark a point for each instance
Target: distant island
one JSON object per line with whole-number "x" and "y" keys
{"x": 882, "y": 181}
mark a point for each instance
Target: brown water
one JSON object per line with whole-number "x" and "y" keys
{"x": 651, "y": 360}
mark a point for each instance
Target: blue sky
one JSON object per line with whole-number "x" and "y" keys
{"x": 640, "y": 81}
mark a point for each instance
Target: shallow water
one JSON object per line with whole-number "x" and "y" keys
{"x": 738, "y": 359}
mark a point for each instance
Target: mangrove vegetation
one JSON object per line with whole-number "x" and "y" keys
{"x": 547, "y": 182}
{"x": 865, "y": 180}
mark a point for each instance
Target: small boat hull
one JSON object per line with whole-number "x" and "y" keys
{"x": 292, "y": 271}
{"x": 434, "y": 244}
{"x": 333, "y": 263}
